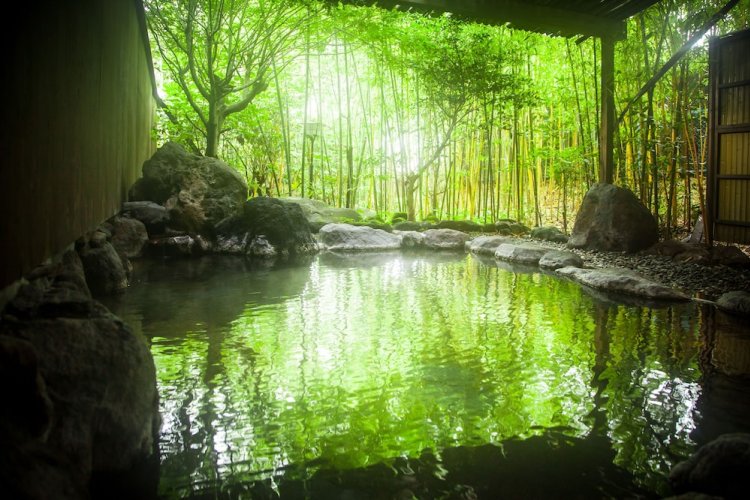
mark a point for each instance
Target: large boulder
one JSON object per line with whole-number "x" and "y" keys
{"x": 612, "y": 219}
{"x": 345, "y": 237}
{"x": 318, "y": 213}
{"x": 198, "y": 191}
{"x": 523, "y": 253}
{"x": 717, "y": 468}
{"x": 85, "y": 404}
{"x": 445, "y": 239}
{"x": 271, "y": 221}
{"x": 622, "y": 281}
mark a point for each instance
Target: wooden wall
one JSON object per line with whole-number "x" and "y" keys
{"x": 729, "y": 151}
{"x": 76, "y": 123}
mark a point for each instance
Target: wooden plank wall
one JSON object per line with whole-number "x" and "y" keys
{"x": 729, "y": 152}
{"x": 76, "y": 119}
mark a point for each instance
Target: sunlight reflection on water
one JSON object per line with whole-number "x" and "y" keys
{"x": 348, "y": 362}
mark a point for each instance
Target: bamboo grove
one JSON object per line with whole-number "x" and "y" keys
{"x": 400, "y": 112}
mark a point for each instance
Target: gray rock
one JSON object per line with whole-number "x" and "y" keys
{"x": 280, "y": 224}
{"x": 556, "y": 259}
{"x": 681, "y": 251}
{"x": 518, "y": 229}
{"x": 411, "y": 239}
{"x": 504, "y": 227}
{"x": 729, "y": 256}
{"x": 129, "y": 237}
{"x": 465, "y": 226}
{"x": 485, "y": 245}
{"x": 103, "y": 267}
{"x": 233, "y": 244}
{"x": 549, "y": 233}
{"x": 53, "y": 290}
{"x": 154, "y": 216}
{"x": 445, "y": 239}
{"x": 260, "y": 247}
{"x": 737, "y": 302}
{"x": 667, "y": 248}
{"x": 181, "y": 246}
{"x": 198, "y": 191}
{"x": 522, "y": 254}
{"x": 621, "y": 281}
{"x": 408, "y": 225}
{"x": 26, "y": 412}
{"x": 318, "y": 214}
{"x": 86, "y": 388}
{"x": 345, "y": 237}
{"x": 612, "y": 219}
{"x": 717, "y": 468}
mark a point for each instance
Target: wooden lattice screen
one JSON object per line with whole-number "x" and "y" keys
{"x": 729, "y": 144}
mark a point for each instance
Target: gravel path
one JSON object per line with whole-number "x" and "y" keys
{"x": 696, "y": 280}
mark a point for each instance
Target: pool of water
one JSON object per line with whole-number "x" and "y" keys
{"x": 437, "y": 376}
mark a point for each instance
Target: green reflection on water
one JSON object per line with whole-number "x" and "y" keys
{"x": 347, "y": 362}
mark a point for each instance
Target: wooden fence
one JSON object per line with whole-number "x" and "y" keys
{"x": 729, "y": 142}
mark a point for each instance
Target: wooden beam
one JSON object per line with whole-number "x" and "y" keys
{"x": 607, "y": 124}
{"x": 523, "y": 15}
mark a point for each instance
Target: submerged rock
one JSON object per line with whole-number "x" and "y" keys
{"x": 556, "y": 259}
{"x": 86, "y": 402}
{"x": 445, "y": 239}
{"x": 522, "y": 253}
{"x": 198, "y": 191}
{"x": 612, "y": 219}
{"x": 737, "y": 302}
{"x": 622, "y": 281}
{"x": 345, "y": 237}
{"x": 717, "y": 468}
{"x": 485, "y": 245}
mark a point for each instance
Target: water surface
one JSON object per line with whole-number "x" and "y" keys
{"x": 389, "y": 375}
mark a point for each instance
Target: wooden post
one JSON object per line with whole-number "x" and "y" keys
{"x": 607, "y": 124}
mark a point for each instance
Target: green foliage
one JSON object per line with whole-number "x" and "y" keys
{"x": 219, "y": 55}
{"x": 423, "y": 115}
